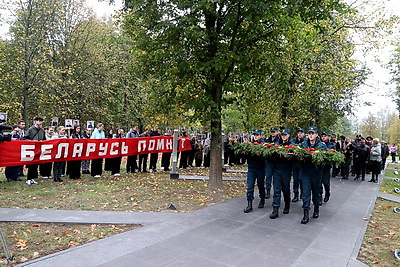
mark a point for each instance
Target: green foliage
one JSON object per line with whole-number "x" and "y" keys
{"x": 317, "y": 157}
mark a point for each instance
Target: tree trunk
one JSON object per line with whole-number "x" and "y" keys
{"x": 215, "y": 173}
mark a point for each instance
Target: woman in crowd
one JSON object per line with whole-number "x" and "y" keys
{"x": 115, "y": 166}
{"x": 74, "y": 166}
{"x": 97, "y": 164}
{"x": 86, "y": 163}
{"x": 393, "y": 152}
{"x": 375, "y": 159}
{"x": 59, "y": 165}
{"x": 45, "y": 168}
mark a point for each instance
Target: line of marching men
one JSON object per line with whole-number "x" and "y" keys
{"x": 277, "y": 171}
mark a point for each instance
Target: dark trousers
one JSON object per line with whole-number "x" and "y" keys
{"x": 360, "y": 168}
{"x": 131, "y": 164}
{"x": 153, "y": 161}
{"x": 116, "y": 165}
{"x": 269, "y": 166}
{"x": 207, "y": 160}
{"x": 57, "y": 169}
{"x": 165, "y": 160}
{"x": 183, "y": 163}
{"x": 12, "y": 172}
{"x": 326, "y": 179}
{"x": 45, "y": 169}
{"x": 281, "y": 182}
{"x": 32, "y": 171}
{"x": 74, "y": 168}
{"x": 96, "y": 167}
{"x": 346, "y": 167}
{"x": 383, "y": 163}
{"x": 198, "y": 161}
{"x": 254, "y": 174}
{"x": 296, "y": 178}
{"x": 190, "y": 157}
{"x": 393, "y": 156}
{"x": 311, "y": 176}
{"x": 143, "y": 162}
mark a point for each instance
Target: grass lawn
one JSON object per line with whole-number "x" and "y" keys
{"x": 128, "y": 192}
{"x": 27, "y": 241}
{"x": 382, "y": 236}
{"x": 388, "y": 186}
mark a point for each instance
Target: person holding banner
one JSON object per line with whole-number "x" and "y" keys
{"x": 97, "y": 164}
{"x": 75, "y": 165}
{"x": 35, "y": 133}
{"x": 59, "y": 165}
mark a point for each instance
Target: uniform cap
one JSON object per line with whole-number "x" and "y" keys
{"x": 313, "y": 129}
{"x": 273, "y": 129}
{"x": 325, "y": 133}
{"x": 257, "y": 131}
{"x": 285, "y": 131}
{"x": 300, "y": 130}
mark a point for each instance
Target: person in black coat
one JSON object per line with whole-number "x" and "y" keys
{"x": 74, "y": 166}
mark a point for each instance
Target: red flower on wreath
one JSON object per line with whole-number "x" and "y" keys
{"x": 287, "y": 146}
{"x": 276, "y": 146}
{"x": 255, "y": 143}
{"x": 269, "y": 145}
{"x": 310, "y": 149}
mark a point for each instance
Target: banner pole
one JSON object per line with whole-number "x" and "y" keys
{"x": 174, "y": 173}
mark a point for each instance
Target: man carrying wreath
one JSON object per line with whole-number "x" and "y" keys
{"x": 311, "y": 174}
{"x": 256, "y": 171}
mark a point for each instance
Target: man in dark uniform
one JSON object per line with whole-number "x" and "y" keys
{"x": 282, "y": 172}
{"x": 296, "y": 166}
{"x": 311, "y": 175}
{"x": 275, "y": 139}
{"x": 256, "y": 171}
{"x": 361, "y": 155}
{"x": 326, "y": 173}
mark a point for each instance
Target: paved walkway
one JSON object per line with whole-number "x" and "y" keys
{"x": 221, "y": 235}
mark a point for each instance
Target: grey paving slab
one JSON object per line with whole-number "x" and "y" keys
{"x": 198, "y": 177}
{"x": 222, "y": 235}
{"x": 389, "y": 197}
{"x": 74, "y": 216}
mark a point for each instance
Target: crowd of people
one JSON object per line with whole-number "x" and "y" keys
{"x": 198, "y": 156}
{"x": 310, "y": 182}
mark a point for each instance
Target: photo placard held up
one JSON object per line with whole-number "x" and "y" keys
{"x": 90, "y": 125}
{"x": 3, "y": 117}
{"x": 68, "y": 123}
{"x": 54, "y": 122}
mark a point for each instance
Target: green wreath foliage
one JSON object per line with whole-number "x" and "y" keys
{"x": 316, "y": 156}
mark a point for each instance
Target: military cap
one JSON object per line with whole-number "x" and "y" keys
{"x": 257, "y": 131}
{"x": 313, "y": 129}
{"x": 300, "y": 130}
{"x": 273, "y": 129}
{"x": 325, "y": 133}
{"x": 285, "y": 131}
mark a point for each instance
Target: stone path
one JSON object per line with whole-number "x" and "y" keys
{"x": 221, "y": 235}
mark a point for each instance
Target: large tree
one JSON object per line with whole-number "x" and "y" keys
{"x": 203, "y": 50}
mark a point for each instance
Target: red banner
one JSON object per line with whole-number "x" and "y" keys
{"x": 16, "y": 153}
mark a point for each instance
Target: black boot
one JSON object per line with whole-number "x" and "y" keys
{"x": 275, "y": 213}
{"x": 249, "y": 207}
{"x": 372, "y": 179}
{"x": 327, "y": 194}
{"x": 376, "y": 179}
{"x": 261, "y": 204}
{"x": 286, "y": 208}
{"x": 268, "y": 194}
{"x": 316, "y": 212}
{"x": 305, "y": 218}
{"x": 296, "y": 197}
